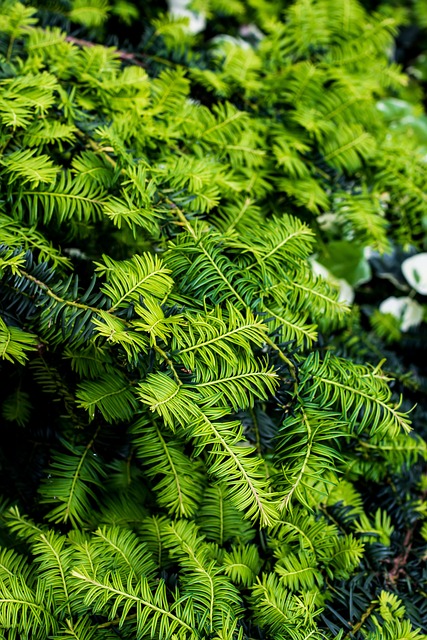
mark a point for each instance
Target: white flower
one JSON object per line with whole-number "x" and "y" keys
{"x": 346, "y": 291}
{"x": 327, "y": 220}
{"x": 251, "y": 30}
{"x": 224, "y": 39}
{"x": 179, "y": 9}
{"x": 415, "y": 271}
{"x": 405, "y": 309}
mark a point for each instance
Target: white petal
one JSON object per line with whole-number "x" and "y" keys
{"x": 251, "y": 30}
{"x": 196, "y": 21}
{"x": 346, "y": 291}
{"x": 394, "y": 306}
{"x": 405, "y": 309}
{"x": 320, "y": 270}
{"x": 327, "y": 220}
{"x": 413, "y": 315}
{"x": 224, "y": 39}
{"x": 177, "y": 5}
{"x": 415, "y": 271}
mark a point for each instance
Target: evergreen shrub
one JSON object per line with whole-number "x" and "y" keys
{"x": 202, "y": 438}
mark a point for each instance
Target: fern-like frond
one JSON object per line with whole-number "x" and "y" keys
{"x": 128, "y": 281}
{"x": 117, "y": 331}
{"x": 65, "y": 200}
{"x": 91, "y": 13}
{"x": 219, "y": 520}
{"x": 196, "y": 181}
{"x": 365, "y": 216}
{"x": 113, "y": 597}
{"x": 177, "y": 480}
{"x": 122, "y": 508}
{"x": 80, "y": 629}
{"x": 304, "y": 292}
{"x": 17, "y": 407}
{"x": 279, "y": 610}
{"x": 349, "y": 148}
{"x": 89, "y": 362}
{"x": 229, "y": 457}
{"x": 15, "y": 343}
{"x": 15, "y": 568}
{"x": 381, "y": 527}
{"x": 217, "y": 336}
{"x": 305, "y": 453}
{"x": 154, "y": 320}
{"x": 306, "y": 193}
{"x": 242, "y": 564}
{"x": 360, "y": 392}
{"x": 344, "y": 556}
{"x": 128, "y": 211}
{"x": 302, "y": 531}
{"x": 218, "y": 126}
{"x": 238, "y": 215}
{"x": 64, "y": 314}
{"x": 285, "y": 240}
{"x": 213, "y": 595}
{"x": 111, "y": 394}
{"x": 393, "y": 449}
{"x": 119, "y": 551}
{"x": 237, "y": 386}
{"x": 152, "y": 533}
{"x": 293, "y": 326}
{"x": 203, "y": 270}
{"x": 169, "y": 90}
{"x": 54, "y": 560}
{"x": 345, "y": 493}
{"x": 28, "y": 166}
{"x": 48, "y": 131}
{"x": 25, "y": 610}
{"x": 25, "y": 96}
{"x": 15, "y": 235}
{"x": 91, "y": 167}
{"x": 70, "y": 481}
{"x": 299, "y": 571}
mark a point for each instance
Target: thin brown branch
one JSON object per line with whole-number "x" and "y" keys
{"x": 400, "y": 561}
{"x": 123, "y": 55}
{"x": 126, "y": 56}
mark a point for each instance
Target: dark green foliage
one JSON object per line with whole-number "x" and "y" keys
{"x": 202, "y": 439}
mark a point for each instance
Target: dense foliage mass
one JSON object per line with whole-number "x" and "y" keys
{"x": 203, "y": 439}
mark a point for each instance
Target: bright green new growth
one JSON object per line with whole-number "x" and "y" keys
{"x": 166, "y": 306}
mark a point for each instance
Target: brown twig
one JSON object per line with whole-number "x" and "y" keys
{"x": 123, "y": 55}
{"x": 132, "y": 58}
{"x": 400, "y": 561}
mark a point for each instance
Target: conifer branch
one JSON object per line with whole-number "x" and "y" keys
{"x": 54, "y": 296}
{"x": 137, "y": 600}
{"x": 356, "y": 627}
{"x": 77, "y": 473}
{"x": 286, "y": 360}
{"x": 116, "y": 621}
